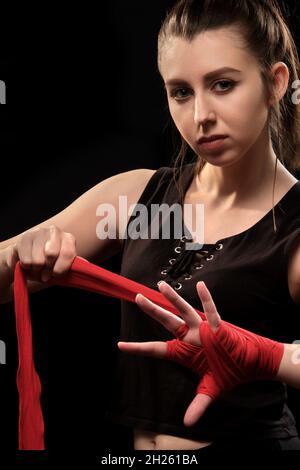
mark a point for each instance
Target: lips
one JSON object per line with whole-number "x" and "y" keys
{"x": 212, "y": 145}
{"x": 211, "y": 138}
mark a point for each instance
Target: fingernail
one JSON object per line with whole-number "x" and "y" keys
{"x": 160, "y": 282}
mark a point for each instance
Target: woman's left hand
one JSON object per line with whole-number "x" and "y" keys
{"x": 187, "y": 330}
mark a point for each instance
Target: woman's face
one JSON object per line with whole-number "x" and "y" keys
{"x": 229, "y": 102}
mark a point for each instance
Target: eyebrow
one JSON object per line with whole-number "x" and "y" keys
{"x": 206, "y": 78}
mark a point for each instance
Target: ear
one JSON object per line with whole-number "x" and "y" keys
{"x": 279, "y": 76}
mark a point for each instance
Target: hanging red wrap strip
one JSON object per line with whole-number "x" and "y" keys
{"x": 84, "y": 275}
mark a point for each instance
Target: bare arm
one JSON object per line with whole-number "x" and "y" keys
{"x": 80, "y": 220}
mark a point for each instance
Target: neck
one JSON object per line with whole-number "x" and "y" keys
{"x": 242, "y": 180}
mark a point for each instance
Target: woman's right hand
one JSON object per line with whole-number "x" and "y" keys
{"x": 45, "y": 252}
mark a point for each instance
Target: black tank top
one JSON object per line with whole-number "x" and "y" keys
{"x": 246, "y": 274}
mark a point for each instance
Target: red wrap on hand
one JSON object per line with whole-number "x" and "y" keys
{"x": 227, "y": 358}
{"x": 237, "y": 356}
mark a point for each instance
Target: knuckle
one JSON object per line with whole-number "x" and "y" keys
{"x": 67, "y": 252}
{"x": 69, "y": 237}
{"x": 51, "y": 252}
{"x": 24, "y": 237}
{"x": 38, "y": 231}
{"x": 53, "y": 228}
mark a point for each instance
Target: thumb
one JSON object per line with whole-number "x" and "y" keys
{"x": 196, "y": 409}
{"x": 207, "y": 392}
{"x": 156, "y": 349}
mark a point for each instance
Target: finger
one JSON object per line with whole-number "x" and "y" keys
{"x": 190, "y": 316}
{"x": 168, "y": 319}
{"x": 66, "y": 255}
{"x": 41, "y": 259}
{"x": 196, "y": 409}
{"x": 51, "y": 252}
{"x": 156, "y": 349}
{"x": 208, "y": 304}
{"x": 24, "y": 246}
{"x": 37, "y": 251}
{"x": 12, "y": 256}
{"x": 52, "y": 245}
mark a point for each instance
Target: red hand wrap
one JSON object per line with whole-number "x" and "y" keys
{"x": 187, "y": 355}
{"x": 194, "y": 358}
{"x": 227, "y": 358}
{"x": 236, "y": 356}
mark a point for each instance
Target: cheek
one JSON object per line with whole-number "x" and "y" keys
{"x": 247, "y": 114}
{"x": 182, "y": 116}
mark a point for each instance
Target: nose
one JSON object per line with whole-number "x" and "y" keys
{"x": 203, "y": 111}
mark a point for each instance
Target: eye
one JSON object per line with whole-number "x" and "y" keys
{"x": 174, "y": 94}
{"x": 231, "y": 84}
{"x": 181, "y": 94}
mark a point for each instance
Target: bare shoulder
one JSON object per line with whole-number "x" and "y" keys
{"x": 138, "y": 180}
{"x": 132, "y": 185}
{"x": 133, "y": 182}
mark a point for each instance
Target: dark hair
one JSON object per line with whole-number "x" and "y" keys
{"x": 267, "y": 36}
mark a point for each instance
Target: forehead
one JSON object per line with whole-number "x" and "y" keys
{"x": 207, "y": 51}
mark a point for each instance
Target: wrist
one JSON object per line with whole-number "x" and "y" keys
{"x": 237, "y": 356}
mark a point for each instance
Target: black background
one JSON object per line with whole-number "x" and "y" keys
{"x": 84, "y": 101}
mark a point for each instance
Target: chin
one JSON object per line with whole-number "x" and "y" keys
{"x": 217, "y": 160}
{"x": 220, "y": 160}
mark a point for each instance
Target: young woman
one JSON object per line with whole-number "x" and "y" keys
{"x": 228, "y": 70}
